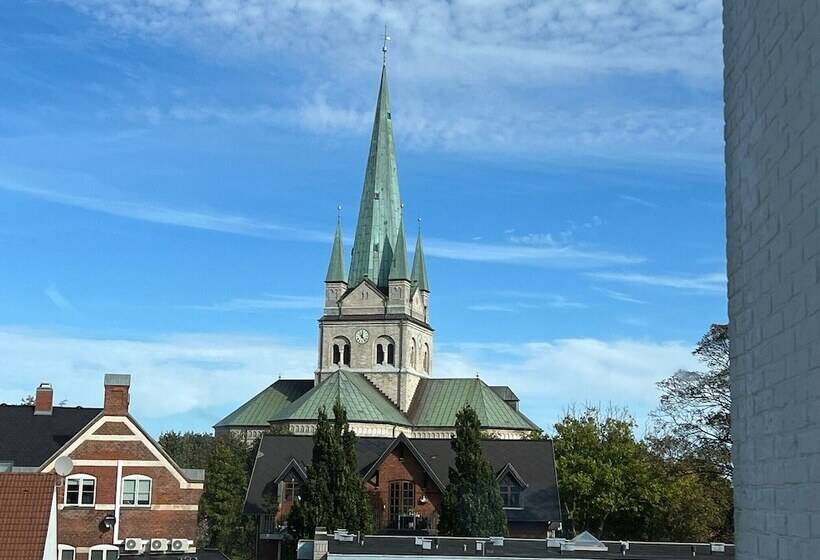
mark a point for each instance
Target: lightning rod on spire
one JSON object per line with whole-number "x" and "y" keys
{"x": 384, "y": 45}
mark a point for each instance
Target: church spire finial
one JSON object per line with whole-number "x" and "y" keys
{"x": 384, "y": 46}
{"x": 336, "y": 268}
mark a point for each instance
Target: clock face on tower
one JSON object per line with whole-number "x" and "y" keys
{"x": 362, "y": 336}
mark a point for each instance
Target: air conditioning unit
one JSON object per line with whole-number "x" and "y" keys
{"x": 180, "y": 545}
{"x": 158, "y": 545}
{"x": 134, "y": 545}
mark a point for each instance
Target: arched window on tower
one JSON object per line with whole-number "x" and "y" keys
{"x": 413, "y": 353}
{"x": 385, "y": 351}
{"x": 425, "y": 364}
{"x": 341, "y": 351}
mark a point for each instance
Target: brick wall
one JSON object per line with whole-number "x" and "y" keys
{"x": 174, "y": 503}
{"x": 772, "y": 94}
{"x": 401, "y": 465}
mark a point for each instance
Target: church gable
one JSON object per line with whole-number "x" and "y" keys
{"x": 364, "y": 299}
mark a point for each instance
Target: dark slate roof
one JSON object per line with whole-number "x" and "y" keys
{"x": 28, "y": 440}
{"x": 532, "y": 459}
{"x": 504, "y": 392}
{"x": 381, "y": 545}
{"x": 258, "y": 410}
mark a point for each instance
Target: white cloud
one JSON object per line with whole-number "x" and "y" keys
{"x": 57, "y": 298}
{"x": 550, "y": 376}
{"x": 515, "y": 302}
{"x": 495, "y": 77}
{"x": 209, "y": 375}
{"x": 714, "y": 283}
{"x": 269, "y": 302}
{"x": 203, "y": 376}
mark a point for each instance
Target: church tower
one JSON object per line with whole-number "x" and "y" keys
{"x": 376, "y": 317}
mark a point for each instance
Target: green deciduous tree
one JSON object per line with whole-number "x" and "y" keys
{"x": 472, "y": 504}
{"x": 333, "y": 495}
{"x": 604, "y": 473}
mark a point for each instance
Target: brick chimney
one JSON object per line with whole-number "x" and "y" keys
{"x": 44, "y": 400}
{"x": 116, "y": 394}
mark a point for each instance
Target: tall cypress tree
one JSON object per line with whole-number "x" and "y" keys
{"x": 472, "y": 505}
{"x": 333, "y": 495}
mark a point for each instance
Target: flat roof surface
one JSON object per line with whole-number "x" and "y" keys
{"x": 448, "y": 547}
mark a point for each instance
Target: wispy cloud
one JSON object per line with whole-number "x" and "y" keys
{"x": 619, "y": 296}
{"x": 148, "y": 212}
{"x": 558, "y": 255}
{"x": 714, "y": 283}
{"x": 269, "y": 302}
{"x": 638, "y": 201}
{"x": 519, "y": 55}
{"x": 515, "y": 302}
{"x": 57, "y": 298}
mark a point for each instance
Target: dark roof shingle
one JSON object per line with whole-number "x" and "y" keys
{"x": 28, "y": 440}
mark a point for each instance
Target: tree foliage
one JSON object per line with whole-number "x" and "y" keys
{"x": 694, "y": 417}
{"x": 333, "y": 496}
{"x": 190, "y": 450}
{"x": 472, "y": 504}
{"x": 604, "y": 474}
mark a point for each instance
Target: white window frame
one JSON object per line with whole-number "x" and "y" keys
{"x": 137, "y": 478}
{"x": 80, "y": 477}
{"x": 103, "y": 548}
{"x": 66, "y": 548}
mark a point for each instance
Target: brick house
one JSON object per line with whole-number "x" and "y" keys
{"x": 123, "y": 489}
{"x": 406, "y": 479}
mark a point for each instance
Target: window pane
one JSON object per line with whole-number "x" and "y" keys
{"x": 97, "y": 555}
{"x": 72, "y": 492}
{"x": 112, "y": 554}
{"x": 87, "y": 486}
{"x": 67, "y": 555}
{"x": 128, "y": 492}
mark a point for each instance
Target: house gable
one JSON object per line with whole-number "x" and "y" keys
{"x": 363, "y": 299}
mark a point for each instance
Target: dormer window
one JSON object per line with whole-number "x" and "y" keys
{"x": 511, "y": 485}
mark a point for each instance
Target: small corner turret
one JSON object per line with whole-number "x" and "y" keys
{"x": 335, "y": 281}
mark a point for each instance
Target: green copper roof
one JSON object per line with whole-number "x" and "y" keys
{"x": 398, "y": 270}
{"x": 380, "y": 209}
{"x": 437, "y": 401}
{"x": 362, "y": 401}
{"x": 259, "y": 409}
{"x": 419, "y": 274}
{"x": 336, "y": 268}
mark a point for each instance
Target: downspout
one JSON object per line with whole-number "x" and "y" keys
{"x": 117, "y": 499}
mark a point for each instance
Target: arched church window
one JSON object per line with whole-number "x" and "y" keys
{"x": 341, "y": 351}
{"x": 426, "y": 358}
{"x": 385, "y": 351}
{"x": 413, "y": 353}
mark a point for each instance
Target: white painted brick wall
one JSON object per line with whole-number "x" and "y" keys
{"x": 772, "y": 93}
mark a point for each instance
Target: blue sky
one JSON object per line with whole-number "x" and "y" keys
{"x": 170, "y": 171}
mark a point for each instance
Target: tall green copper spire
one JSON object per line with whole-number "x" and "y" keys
{"x": 336, "y": 268}
{"x": 380, "y": 209}
{"x": 419, "y": 274}
{"x": 398, "y": 269}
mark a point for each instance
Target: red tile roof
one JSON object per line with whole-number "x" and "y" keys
{"x": 25, "y": 509}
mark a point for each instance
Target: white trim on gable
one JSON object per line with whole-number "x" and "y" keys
{"x": 86, "y": 433}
